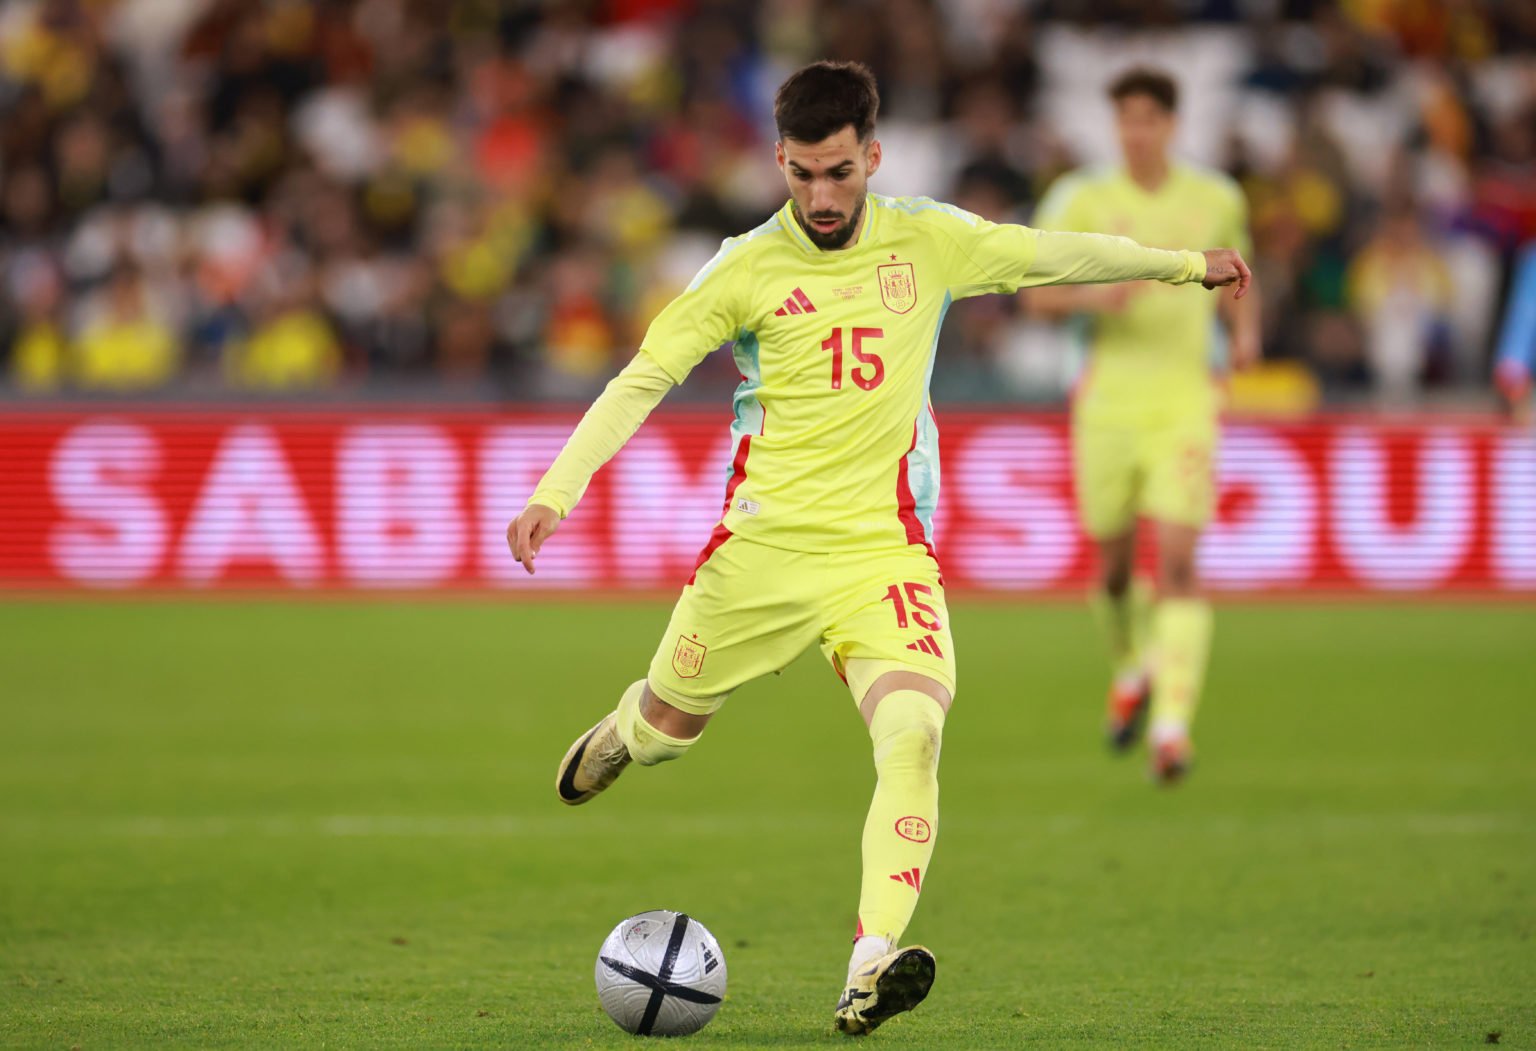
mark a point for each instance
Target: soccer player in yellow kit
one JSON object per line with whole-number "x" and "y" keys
{"x": 1145, "y": 415}
{"x": 834, "y": 306}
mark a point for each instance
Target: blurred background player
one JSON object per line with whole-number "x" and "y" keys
{"x": 1515, "y": 359}
{"x": 834, "y": 305}
{"x": 1145, "y": 414}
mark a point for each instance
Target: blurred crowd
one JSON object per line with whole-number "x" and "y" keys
{"x": 354, "y": 195}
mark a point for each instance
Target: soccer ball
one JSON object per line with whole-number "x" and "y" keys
{"x": 661, "y": 973}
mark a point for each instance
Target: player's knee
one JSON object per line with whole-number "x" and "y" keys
{"x": 908, "y": 732}
{"x": 1177, "y": 577}
{"x": 1115, "y": 579}
{"x": 647, "y": 744}
{"x": 1116, "y": 568}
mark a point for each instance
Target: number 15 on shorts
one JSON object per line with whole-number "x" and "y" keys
{"x": 909, "y": 602}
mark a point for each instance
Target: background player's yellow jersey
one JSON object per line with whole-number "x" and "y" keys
{"x": 1154, "y": 357}
{"x": 836, "y": 446}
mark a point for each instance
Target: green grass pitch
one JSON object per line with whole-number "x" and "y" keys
{"x": 333, "y": 824}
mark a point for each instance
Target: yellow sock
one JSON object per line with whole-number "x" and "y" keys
{"x": 1181, "y": 645}
{"x": 647, "y": 745}
{"x": 1125, "y": 623}
{"x": 907, "y": 731}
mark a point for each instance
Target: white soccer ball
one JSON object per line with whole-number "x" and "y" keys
{"x": 661, "y": 973}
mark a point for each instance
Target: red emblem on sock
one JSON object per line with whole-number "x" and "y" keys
{"x": 914, "y": 828}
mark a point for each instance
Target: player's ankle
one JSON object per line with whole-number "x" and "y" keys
{"x": 867, "y": 949}
{"x": 1130, "y": 677}
{"x": 1168, "y": 731}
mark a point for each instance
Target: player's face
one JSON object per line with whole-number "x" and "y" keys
{"x": 828, "y": 181}
{"x": 1145, "y": 128}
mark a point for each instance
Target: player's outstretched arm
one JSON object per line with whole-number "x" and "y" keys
{"x": 611, "y": 421}
{"x": 1062, "y": 258}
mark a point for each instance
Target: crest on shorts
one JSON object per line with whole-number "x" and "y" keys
{"x": 898, "y": 287}
{"x": 688, "y": 658}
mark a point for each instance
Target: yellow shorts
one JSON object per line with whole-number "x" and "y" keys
{"x": 1164, "y": 472}
{"x": 751, "y": 609}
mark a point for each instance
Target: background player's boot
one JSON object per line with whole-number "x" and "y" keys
{"x": 1126, "y": 713}
{"x": 1172, "y": 756}
{"x": 593, "y": 763}
{"x": 894, "y": 983}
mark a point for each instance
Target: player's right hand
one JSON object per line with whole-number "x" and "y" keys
{"x": 1225, "y": 266}
{"x": 529, "y": 530}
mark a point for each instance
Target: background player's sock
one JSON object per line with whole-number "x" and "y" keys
{"x": 647, "y": 745}
{"x": 1181, "y": 644}
{"x": 907, "y": 731}
{"x": 1124, "y": 620}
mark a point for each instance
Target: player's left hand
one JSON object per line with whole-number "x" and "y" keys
{"x": 1225, "y": 266}
{"x": 528, "y": 532}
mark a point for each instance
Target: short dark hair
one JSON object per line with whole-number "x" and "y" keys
{"x": 821, "y": 99}
{"x": 1153, "y": 83}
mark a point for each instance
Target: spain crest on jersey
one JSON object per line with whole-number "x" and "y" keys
{"x": 688, "y": 658}
{"x": 898, "y": 287}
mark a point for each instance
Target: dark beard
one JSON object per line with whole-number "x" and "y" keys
{"x": 838, "y": 237}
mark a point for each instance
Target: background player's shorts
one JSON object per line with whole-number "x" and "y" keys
{"x": 752, "y": 609}
{"x": 1163, "y": 471}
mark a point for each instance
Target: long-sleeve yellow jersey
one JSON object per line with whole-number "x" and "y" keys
{"x": 835, "y": 444}
{"x": 1152, "y": 359}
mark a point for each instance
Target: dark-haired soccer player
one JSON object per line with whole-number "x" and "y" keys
{"x": 834, "y": 306}
{"x": 1144, "y": 418}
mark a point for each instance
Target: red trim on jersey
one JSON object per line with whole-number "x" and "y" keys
{"x": 906, "y": 505}
{"x": 721, "y": 534}
{"x": 718, "y": 537}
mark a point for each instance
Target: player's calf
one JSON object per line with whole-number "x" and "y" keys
{"x": 596, "y": 759}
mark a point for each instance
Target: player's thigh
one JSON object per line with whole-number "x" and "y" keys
{"x": 886, "y": 612}
{"x": 748, "y": 611}
{"x": 1106, "y": 478}
{"x": 1180, "y": 466}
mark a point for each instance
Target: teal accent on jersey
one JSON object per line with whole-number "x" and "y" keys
{"x": 918, "y": 205}
{"x": 749, "y": 413}
{"x": 730, "y": 245}
{"x": 923, "y": 472}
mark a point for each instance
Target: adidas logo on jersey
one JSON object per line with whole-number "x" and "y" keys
{"x": 797, "y": 303}
{"x": 927, "y": 644}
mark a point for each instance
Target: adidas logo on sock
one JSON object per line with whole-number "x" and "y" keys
{"x": 913, "y": 878}
{"x": 797, "y": 303}
{"x": 927, "y": 644}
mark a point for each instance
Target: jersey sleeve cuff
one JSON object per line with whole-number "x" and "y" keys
{"x": 544, "y": 499}
{"x": 1194, "y": 266}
